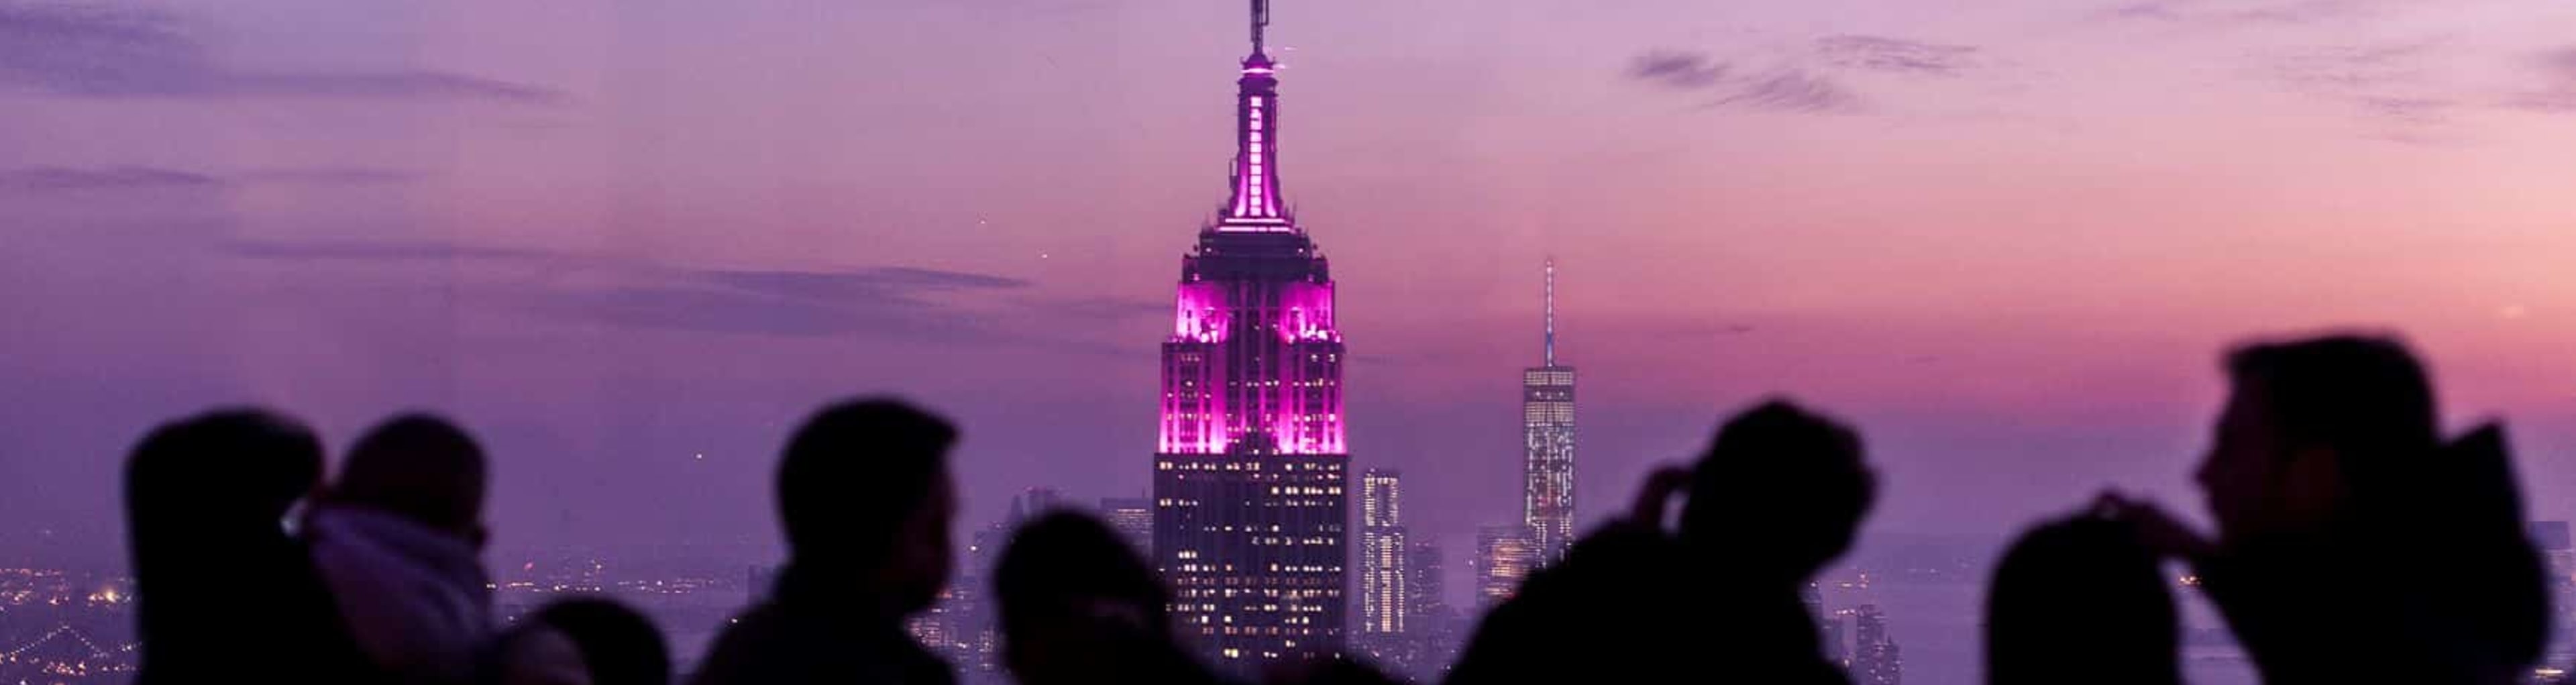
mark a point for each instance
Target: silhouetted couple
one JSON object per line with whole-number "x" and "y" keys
{"x": 2353, "y": 544}
{"x": 382, "y": 582}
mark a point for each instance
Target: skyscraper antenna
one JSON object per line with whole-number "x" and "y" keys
{"x": 1260, "y": 21}
{"x": 1551, "y": 309}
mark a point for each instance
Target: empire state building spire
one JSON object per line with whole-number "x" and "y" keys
{"x": 1255, "y": 204}
{"x": 1260, "y": 22}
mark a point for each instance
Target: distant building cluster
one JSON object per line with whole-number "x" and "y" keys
{"x": 1505, "y": 555}
{"x": 1873, "y": 657}
{"x": 63, "y": 627}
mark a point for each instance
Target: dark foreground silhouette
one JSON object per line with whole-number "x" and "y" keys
{"x": 204, "y": 497}
{"x": 2353, "y": 544}
{"x": 1779, "y": 494}
{"x": 866, "y": 500}
{"x": 1079, "y": 606}
{"x": 2084, "y": 595}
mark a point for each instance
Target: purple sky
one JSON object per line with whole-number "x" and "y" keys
{"x": 2008, "y": 239}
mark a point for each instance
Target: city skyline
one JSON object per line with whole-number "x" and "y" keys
{"x": 630, "y": 245}
{"x": 352, "y": 247}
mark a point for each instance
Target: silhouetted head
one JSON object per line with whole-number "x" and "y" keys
{"x": 240, "y": 469}
{"x": 1780, "y": 487}
{"x": 618, "y": 645}
{"x": 864, "y": 489}
{"x": 2313, "y": 430}
{"x": 420, "y": 467}
{"x": 2081, "y": 600}
{"x": 206, "y": 500}
{"x": 1077, "y": 605}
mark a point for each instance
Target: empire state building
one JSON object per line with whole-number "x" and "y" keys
{"x": 1250, "y": 470}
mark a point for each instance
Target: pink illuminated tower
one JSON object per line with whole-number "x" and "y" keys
{"x": 1250, "y": 470}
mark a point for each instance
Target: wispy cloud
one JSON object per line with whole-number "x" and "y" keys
{"x": 889, "y": 283}
{"x": 135, "y": 177}
{"x": 110, "y": 178}
{"x": 372, "y": 250}
{"x": 681, "y": 307}
{"x": 331, "y": 176}
{"x": 1677, "y": 69}
{"x": 893, "y": 302}
{"x": 2343, "y": 68}
{"x": 2303, "y": 11}
{"x": 2556, "y": 72}
{"x": 2214, "y": 14}
{"x": 1895, "y": 55}
{"x": 2408, "y": 110}
{"x": 109, "y": 51}
{"x": 1784, "y": 89}
{"x": 1791, "y": 90}
{"x": 2386, "y": 85}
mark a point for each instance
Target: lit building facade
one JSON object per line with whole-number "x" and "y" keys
{"x": 1385, "y": 584}
{"x": 1547, "y": 444}
{"x": 1505, "y": 555}
{"x": 1250, "y": 514}
{"x": 1133, "y": 518}
{"x": 1426, "y": 602}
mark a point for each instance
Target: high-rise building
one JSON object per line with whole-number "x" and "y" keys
{"x": 973, "y": 639}
{"x": 1547, "y": 444}
{"x": 1431, "y": 628}
{"x": 1133, "y": 518}
{"x": 1385, "y": 596}
{"x": 1874, "y": 658}
{"x": 1426, "y": 603}
{"x": 1250, "y": 515}
{"x": 1505, "y": 555}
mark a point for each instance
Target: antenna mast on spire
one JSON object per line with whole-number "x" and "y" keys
{"x": 1551, "y": 310}
{"x": 1260, "y": 21}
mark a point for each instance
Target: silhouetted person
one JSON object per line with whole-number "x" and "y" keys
{"x": 398, "y": 538}
{"x": 1779, "y": 494}
{"x": 1078, "y": 606}
{"x": 585, "y": 641}
{"x": 223, "y": 592}
{"x": 2352, "y": 545}
{"x": 2081, "y": 600}
{"x": 865, "y": 497}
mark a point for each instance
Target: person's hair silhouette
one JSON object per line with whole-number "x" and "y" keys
{"x": 865, "y": 499}
{"x": 1079, "y": 606}
{"x": 1780, "y": 493}
{"x": 420, "y": 467}
{"x": 398, "y": 538}
{"x": 206, "y": 501}
{"x": 2081, "y": 596}
{"x": 586, "y": 641}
